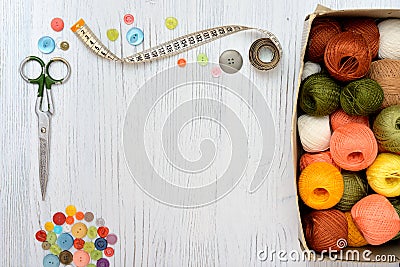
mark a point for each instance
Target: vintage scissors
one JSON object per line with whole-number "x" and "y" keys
{"x": 44, "y": 80}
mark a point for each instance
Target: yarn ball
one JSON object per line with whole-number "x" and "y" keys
{"x": 353, "y": 147}
{"x": 376, "y": 219}
{"x": 384, "y": 175}
{"x": 314, "y": 132}
{"x": 347, "y": 56}
{"x": 362, "y": 97}
{"x": 321, "y": 32}
{"x": 355, "y": 188}
{"x": 321, "y": 185}
{"x": 324, "y": 228}
{"x": 386, "y": 72}
{"x": 309, "y": 69}
{"x": 387, "y": 129}
{"x": 319, "y": 95}
{"x": 308, "y": 158}
{"x": 340, "y": 118}
{"x": 368, "y": 29}
{"x": 396, "y": 205}
{"x": 354, "y": 238}
{"x": 390, "y": 38}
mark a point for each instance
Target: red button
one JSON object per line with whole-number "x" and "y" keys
{"x": 128, "y": 19}
{"x": 78, "y": 243}
{"x": 41, "y": 235}
{"x": 59, "y": 218}
{"x": 57, "y": 24}
{"x": 103, "y": 231}
{"x": 109, "y": 252}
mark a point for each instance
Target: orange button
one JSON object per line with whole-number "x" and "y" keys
{"x": 109, "y": 252}
{"x": 57, "y": 24}
{"x": 79, "y": 243}
{"x": 182, "y": 62}
{"x": 79, "y": 215}
{"x": 69, "y": 220}
{"x": 79, "y": 230}
{"x": 103, "y": 231}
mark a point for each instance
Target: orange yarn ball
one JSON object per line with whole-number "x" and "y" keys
{"x": 353, "y": 147}
{"x": 340, "y": 118}
{"x": 321, "y": 32}
{"x": 376, "y": 219}
{"x": 347, "y": 56}
{"x": 354, "y": 238}
{"x": 321, "y": 185}
{"x": 324, "y": 228}
{"x": 308, "y": 158}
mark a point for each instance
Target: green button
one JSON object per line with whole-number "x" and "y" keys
{"x": 55, "y": 249}
{"x": 88, "y": 247}
{"x": 51, "y": 237}
{"x": 112, "y": 34}
{"x": 171, "y": 23}
{"x": 202, "y": 59}
{"x": 96, "y": 255}
{"x": 92, "y": 232}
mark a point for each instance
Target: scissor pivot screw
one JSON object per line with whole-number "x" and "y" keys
{"x": 43, "y": 129}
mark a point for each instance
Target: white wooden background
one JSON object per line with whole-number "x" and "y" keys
{"x": 87, "y": 166}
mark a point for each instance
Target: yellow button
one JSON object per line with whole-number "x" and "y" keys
{"x": 49, "y": 226}
{"x": 171, "y": 23}
{"x": 112, "y": 34}
{"x": 70, "y": 210}
{"x": 79, "y": 230}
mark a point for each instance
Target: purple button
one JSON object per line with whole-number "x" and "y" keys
{"x": 112, "y": 239}
{"x": 103, "y": 262}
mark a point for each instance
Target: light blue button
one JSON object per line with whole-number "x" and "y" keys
{"x": 51, "y": 260}
{"x": 46, "y": 44}
{"x": 65, "y": 241}
{"x": 57, "y": 229}
{"x": 135, "y": 36}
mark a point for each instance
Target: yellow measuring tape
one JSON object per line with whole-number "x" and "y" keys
{"x": 185, "y": 43}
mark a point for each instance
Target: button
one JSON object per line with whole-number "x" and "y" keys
{"x": 112, "y": 34}
{"x": 79, "y": 243}
{"x": 67, "y": 228}
{"x": 46, "y": 245}
{"x": 109, "y": 252}
{"x": 202, "y": 59}
{"x": 181, "y": 62}
{"x": 103, "y": 231}
{"x": 70, "y": 220}
{"x": 230, "y": 61}
{"x": 65, "y": 241}
{"x": 100, "y": 222}
{"x": 64, "y": 45}
{"x": 171, "y": 23}
{"x": 91, "y": 265}
{"x": 128, "y": 19}
{"x": 55, "y": 249}
{"x": 112, "y": 239}
{"x": 51, "y": 260}
{"x": 79, "y": 230}
{"x": 135, "y": 36}
{"x": 103, "y": 263}
{"x": 70, "y": 210}
{"x": 65, "y": 257}
{"x": 41, "y": 235}
{"x": 100, "y": 243}
{"x": 96, "y": 255}
{"x": 57, "y": 24}
{"x": 92, "y": 232}
{"x": 49, "y": 226}
{"x": 81, "y": 258}
{"x": 216, "y": 72}
{"x": 59, "y": 218}
{"x": 79, "y": 215}
{"x": 89, "y": 247}
{"x": 51, "y": 238}
{"x": 57, "y": 229}
{"x": 46, "y": 45}
{"x": 89, "y": 216}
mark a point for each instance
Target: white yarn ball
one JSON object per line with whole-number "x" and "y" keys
{"x": 314, "y": 132}
{"x": 309, "y": 69}
{"x": 389, "y": 41}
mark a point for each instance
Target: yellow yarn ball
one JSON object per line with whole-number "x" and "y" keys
{"x": 321, "y": 185}
{"x": 354, "y": 238}
{"x": 384, "y": 175}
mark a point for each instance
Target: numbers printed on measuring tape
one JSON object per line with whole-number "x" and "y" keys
{"x": 179, "y": 45}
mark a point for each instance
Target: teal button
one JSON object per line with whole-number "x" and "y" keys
{"x": 135, "y": 36}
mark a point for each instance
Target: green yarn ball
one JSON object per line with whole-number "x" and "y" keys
{"x": 319, "y": 95}
{"x": 362, "y": 97}
{"x": 387, "y": 129}
{"x": 396, "y": 205}
{"x": 355, "y": 188}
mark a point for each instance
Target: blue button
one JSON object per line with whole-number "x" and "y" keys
{"x": 46, "y": 44}
{"x": 65, "y": 241}
{"x": 57, "y": 229}
{"x": 100, "y": 243}
{"x": 135, "y": 36}
{"x": 51, "y": 260}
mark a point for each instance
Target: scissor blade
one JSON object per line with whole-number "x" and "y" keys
{"x": 43, "y": 165}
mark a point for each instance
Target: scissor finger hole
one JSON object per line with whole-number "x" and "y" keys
{"x": 58, "y": 70}
{"x": 31, "y": 70}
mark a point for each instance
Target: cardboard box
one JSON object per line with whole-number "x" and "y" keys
{"x": 377, "y": 253}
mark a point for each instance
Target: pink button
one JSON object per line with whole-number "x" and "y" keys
{"x": 128, "y": 19}
{"x": 57, "y": 24}
{"x": 216, "y": 72}
{"x": 81, "y": 258}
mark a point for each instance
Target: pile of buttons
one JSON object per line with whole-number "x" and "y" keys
{"x": 46, "y": 44}
{"x": 71, "y": 238}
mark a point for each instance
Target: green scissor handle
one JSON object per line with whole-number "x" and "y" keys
{"x": 44, "y": 79}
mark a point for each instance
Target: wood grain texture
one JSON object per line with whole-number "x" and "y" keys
{"x": 87, "y": 165}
